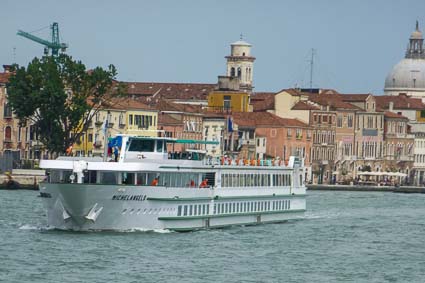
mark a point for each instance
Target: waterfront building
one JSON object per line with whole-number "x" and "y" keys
{"x": 398, "y": 145}
{"x": 369, "y": 133}
{"x": 119, "y": 116}
{"x": 190, "y": 117}
{"x": 408, "y": 76}
{"x": 214, "y": 127}
{"x": 419, "y": 159}
{"x": 265, "y": 135}
{"x": 15, "y": 141}
{"x": 414, "y": 110}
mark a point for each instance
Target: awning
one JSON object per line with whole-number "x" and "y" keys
{"x": 370, "y": 173}
{"x": 396, "y": 174}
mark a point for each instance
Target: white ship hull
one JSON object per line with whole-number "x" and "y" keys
{"x": 150, "y": 189}
{"x": 86, "y": 207}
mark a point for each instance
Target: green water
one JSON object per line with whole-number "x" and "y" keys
{"x": 345, "y": 237}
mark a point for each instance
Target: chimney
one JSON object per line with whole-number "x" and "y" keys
{"x": 391, "y": 106}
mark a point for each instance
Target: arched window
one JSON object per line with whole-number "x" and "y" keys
{"x": 232, "y": 72}
{"x": 239, "y": 72}
{"x": 8, "y": 133}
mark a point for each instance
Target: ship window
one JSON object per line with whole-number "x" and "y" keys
{"x": 208, "y": 209}
{"x": 128, "y": 178}
{"x": 203, "y": 209}
{"x": 237, "y": 207}
{"x": 159, "y": 144}
{"x": 109, "y": 177}
{"x": 185, "y": 210}
{"x": 141, "y": 145}
{"x": 195, "y": 209}
{"x": 190, "y": 210}
{"x": 218, "y": 208}
{"x": 179, "y": 210}
{"x": 141, "y": 179}
{"x": 199, "y": 209}
{"x": 289, "y": 204}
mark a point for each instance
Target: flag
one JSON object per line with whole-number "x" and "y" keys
{"x": 229, "y": 124}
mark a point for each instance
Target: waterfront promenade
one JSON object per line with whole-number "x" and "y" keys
{"x": 362, "y": 188}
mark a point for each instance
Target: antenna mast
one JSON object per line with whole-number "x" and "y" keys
{"x": 311, "y": 69}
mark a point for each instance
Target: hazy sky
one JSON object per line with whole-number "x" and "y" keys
{"x": 356, "y": 42}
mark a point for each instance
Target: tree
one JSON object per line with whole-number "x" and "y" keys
{"x": 59, "y": 97}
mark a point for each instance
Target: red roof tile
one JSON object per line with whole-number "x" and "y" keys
{"x": 332, "y": 99}
{"x": 399, "y": 102}
{"x": 263, "y": 101}
{"x": 302, "y": 105}
{"x": 167, "y": 119}
{"x": 354, "y": 97}
{"x": 256, "y": 119}
{"x": 389, "y": 114}
{"x": 166, "y": 105}
{"x": 125, "y": 104}
{"x": 150, "y": 92}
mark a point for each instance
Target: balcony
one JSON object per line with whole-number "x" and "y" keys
{"x": 121, "y": 125}
{"x": 98, "y": 123}
{"x": 399, "y": 158}
{"x": 110, "y": 124}
{"x": 402, "y": 158}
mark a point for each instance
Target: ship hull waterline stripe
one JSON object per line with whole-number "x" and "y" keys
{"x": 271, "y": 197}
{"x": 229, "y": 215}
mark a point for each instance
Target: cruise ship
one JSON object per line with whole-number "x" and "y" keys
{"x": 150, "y": 188}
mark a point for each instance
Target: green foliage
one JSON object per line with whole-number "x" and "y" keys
{"x": 59, "y": 97}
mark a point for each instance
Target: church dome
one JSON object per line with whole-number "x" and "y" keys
{"x": 408, "y": 76}
{"x": 241, "y": 43}
{"x": 409, "y": 73}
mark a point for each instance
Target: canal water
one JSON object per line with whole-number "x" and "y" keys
{"x": 345, "y": 237}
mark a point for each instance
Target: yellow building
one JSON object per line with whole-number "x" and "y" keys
{"x": 124, "y": 116}
{"x": 235, "y": 101}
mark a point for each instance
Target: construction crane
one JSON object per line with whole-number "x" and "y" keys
{"x": 54, "y": 45}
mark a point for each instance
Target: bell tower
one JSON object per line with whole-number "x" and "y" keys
{"x": 240, "y": 64}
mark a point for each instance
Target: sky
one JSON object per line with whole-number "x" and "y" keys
{"x": 356, "y": 43}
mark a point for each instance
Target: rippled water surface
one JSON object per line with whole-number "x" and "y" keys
{"x": 345, "y": 237}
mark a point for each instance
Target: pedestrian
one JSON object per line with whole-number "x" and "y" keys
{"x": 116, "y": 152}
{"x": 155, "y": 181}
{"x": 69, "y": 150}
{"x": 204, "y": 183}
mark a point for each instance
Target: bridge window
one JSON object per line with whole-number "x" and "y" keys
{"x": 142, "y": 145}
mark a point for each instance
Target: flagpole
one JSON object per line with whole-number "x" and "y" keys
{"x": 105, "y": 134}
